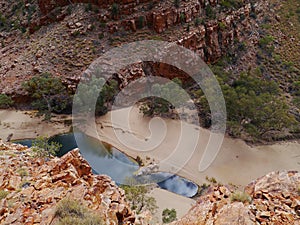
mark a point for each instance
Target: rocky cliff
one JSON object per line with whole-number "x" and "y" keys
{"x": 272, "y": 199}
{"x": 215, "y": 32}
{"x": 35, "y": 186}
{"x": 64, "y": 38}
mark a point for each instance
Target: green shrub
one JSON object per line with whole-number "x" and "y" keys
{"x": 227, "y": 4}
{"x": 159, "y": 106}
{"x": 169, "y": 215}
{"x": 140, "y": 23}
{"x": 177, "y": 3}
{"x": 22, "y": 172}
{"x": 115, "y": 10}
{"x": 210, "y": 12}
{"x": 89, "y": 90}
{"x": 88, "y": 7}
{"x": 296, "y": 101}
{"x": 48, "y": 93}
{"x": 254, "y": 105}
{"x": 197, "y": 21}
{"x": 101, "y": 36}
{"x": 3, "y": 194}
{"x": 71, "y": 212}
{"x": 5, "y": 101}
{"x": 137, "y": 196}
{"x": 211, "y": 180}
{"x": 182, "y": 17}
{"x": 42, "y": 148}
{"x": 265, "y": 41}
{"x": 222, "y": 26}
{"x": 239, "y": 196}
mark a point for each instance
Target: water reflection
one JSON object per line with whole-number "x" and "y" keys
{"x": 105, "y": 159}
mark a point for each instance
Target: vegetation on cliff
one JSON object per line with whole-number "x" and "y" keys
{"x": 72, "y": 212}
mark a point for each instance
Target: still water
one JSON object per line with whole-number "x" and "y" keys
{"x": 105, "y": 159}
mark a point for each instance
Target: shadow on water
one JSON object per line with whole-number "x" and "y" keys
{"x": 105, "y": 159}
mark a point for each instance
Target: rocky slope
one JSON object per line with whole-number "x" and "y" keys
{"x": 32, "y": 187}
{"x": 63, "y": 38}
{"x": 272, "y": 199}
{"x": 35, "y": 186}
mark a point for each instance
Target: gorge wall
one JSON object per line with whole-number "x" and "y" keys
{"x": 66, "y": 44}
{"x": 215, "y": 32}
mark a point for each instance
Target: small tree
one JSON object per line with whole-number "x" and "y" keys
{"x": 159, "y": 105}
{"x": 169, "y": 215}
{"x": 5, "y": 101}
{"x": 177, "y": 3}
{"x": 137, "y": 196}
{"x": 87, "y": 92}
{"x": 141, "y": 22}
{"x": 182, "y": 17}
{"x": 48, "y": 92}
{"x": 115, "y": 10}
{"x": 42, "y": 148}
{"x": 210, "y": 13}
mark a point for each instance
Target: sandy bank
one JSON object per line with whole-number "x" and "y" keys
{"x": 236, "y": 162}
{"x": 166, "y": 199}
{"x": 24, "y": 124}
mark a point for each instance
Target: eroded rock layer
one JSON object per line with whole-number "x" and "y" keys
{"x": 36, "y": 186}
{"x": 273, "y": 199}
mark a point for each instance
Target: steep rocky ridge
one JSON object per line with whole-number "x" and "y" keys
{"x": 35, "y": 186}
{"x": 273, "y": 199}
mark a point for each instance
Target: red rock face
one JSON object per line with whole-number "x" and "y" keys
{"x": 274, "y": 200}
{"x": 33, "y": 198}
{"x": 210, "y": 41}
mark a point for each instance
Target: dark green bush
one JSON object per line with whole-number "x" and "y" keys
{"x": 169, "y": 215}
{"x": 42, "y": 148}
{"x": 227, "y": 4}
{"x": 48, "y": 93}
{"x": 115, "y": 10}
{"x": 5, "y": 101}
{"x": 210, "y": 12}
{"x": 177, "y": 3}
{"x": 253, "y": 104}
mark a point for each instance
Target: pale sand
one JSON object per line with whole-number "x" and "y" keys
{"x": 166, "y": 199}
{"x": 25, "y": 125}
{"x": 236, "y": 163}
